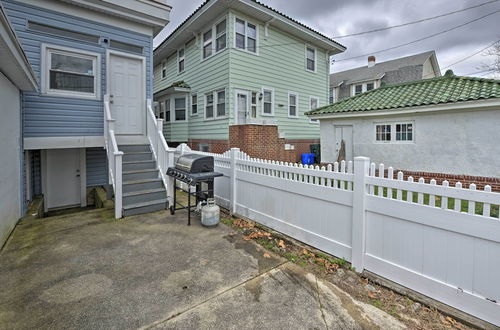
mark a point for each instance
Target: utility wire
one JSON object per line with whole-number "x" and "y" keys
{"x": 418, "y": 40}
{"x": 413, "y": 22}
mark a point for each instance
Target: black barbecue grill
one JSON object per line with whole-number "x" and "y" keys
{"x": 196, "y": 171}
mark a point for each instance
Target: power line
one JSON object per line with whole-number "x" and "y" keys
{"x": 418, "y": 40}
{"x": 412, "y": 22}
{"x": 477, "y": 72}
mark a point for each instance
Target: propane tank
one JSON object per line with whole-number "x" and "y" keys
{"x": 210, "y": 214}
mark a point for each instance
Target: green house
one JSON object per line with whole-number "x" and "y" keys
{"x": 241, "y": 74}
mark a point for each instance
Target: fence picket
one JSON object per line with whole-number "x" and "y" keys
{"x": 486, "y": 206}
{"x": 458, "y": 202}
{"x": 399, "y": 192}
{"x": 432, "y": 198}
{"x": 335, "y": 169}
{"x": 471, "y": 207}
{"x": 350, "y": 169}
{"x": 372, "y": 173}
{"x": 420, "y": 198}
{"x": 409, "y": 194}
{"x": 381, "y": 172}
{"x": 390, "y": 176}
{"x": 444, "y": 199}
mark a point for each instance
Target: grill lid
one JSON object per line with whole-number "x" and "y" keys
{"x": 194, "y": 163}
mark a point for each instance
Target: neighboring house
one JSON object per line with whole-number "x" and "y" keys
{"x": 352, "y": 82}
{"x": 445, "y": 125}
{"x": 241, "y": 74}
{"x": 81, "y": 51}
{"x": 16, "y": 77}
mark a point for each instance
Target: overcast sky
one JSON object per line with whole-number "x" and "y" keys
{"x": 336, "y": 18}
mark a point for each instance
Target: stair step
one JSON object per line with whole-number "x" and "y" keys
{"x": 142, "y": 185}
{"x": 145, "y": 207}
{"x": 140, "y": 175}
{"x": 134, "y": 148}
{"x": 139, "y": 165}
{"x": 137, "y": 156}
{"x": 142, "y": 196}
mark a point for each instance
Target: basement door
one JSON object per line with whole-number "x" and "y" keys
{"x": 344, "y": 133}
{"x": 63, "y": 178}
{"x": 126, "y": 87}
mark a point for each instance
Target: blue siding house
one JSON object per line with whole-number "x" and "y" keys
{"x": 91, "y": 58}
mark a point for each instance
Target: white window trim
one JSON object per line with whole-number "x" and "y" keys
{"x": 267, "y": 89}
{"x": 181, "y": 58}
{"x": 393, "y": 132}
{"x": 257, "y": 39}
{"x": 45, "y": 76}
{"x": 214, "y": 104}
{"x": 214, "y": 38}
{"x": 172, "y": 108}
{"x": 314, "y": 121}
{"x": 315, "y": 58}
{"x": 364, "y": 86}
{"x": 163, "y": 66}
{"x": 296, "y": 105}
{"x": 191, "y": 104}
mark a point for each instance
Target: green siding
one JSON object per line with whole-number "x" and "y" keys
{"x": 280, "y": 64}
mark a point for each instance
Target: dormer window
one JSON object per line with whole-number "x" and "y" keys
{"x": 360, "y": 88}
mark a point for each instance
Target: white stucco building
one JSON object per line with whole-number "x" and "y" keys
{"x": 445, "y": 125}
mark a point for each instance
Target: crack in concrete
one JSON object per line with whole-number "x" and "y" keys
{"x": 320, "y": 304}
{"x": 171, "y": 317}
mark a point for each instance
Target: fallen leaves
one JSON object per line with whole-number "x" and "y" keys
{"x": 450, "y": 322}
{"x": 243, "y": 224}
{"x": 256, "y": 234}
{"x": 266, "y": 255}
{"x": 281, "y": 244}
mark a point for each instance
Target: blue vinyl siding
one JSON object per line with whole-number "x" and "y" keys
{"x": 46, "y": 116}
{"x": 97, "y": 167}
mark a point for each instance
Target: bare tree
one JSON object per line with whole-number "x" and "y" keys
{"x": 493, "y": 51}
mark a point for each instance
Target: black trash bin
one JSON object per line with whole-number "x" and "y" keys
{"x": 316, "y": 150}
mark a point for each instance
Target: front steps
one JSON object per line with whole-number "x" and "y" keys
{"x": 143, "y": 189}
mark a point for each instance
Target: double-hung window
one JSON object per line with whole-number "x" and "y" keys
{"x": 163, "y": 69}
{"x": 209, "y": 105}
{"x": 292, "y": 105}
{"x": 181, "y": 60}
{"x": 215, "y": 104}
{"x": 215, "y": 39}
{"x": 246, "y": 36}
{"x": 180, "y": 109}
{"x": 70, "y": 73}
{"x": 310, "y": 59}
{"x": 314, "y": 104}
{"x": 253, "y": 109}
{"x": 194, "y": 104}
{"x": 267, "y": 102}
{"x": 167, "y": 110}
{"x": 358, "y": 89}
{"x": 221, "y": 103}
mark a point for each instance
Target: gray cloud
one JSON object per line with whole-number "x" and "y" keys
{"x": 336, "y": 17}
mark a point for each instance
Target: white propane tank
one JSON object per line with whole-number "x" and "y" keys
{"x": 210, "y": 214}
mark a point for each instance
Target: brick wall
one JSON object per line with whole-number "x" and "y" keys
{"x": 214, "y": 146}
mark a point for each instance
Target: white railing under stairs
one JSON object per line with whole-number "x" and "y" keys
{"x": 115, "y": 157}
{"x": 163, "y": 155}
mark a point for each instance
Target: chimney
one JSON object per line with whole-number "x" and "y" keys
{"x": 371, "y": 61}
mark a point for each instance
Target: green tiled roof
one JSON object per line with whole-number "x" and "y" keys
{"x": 442, "y": 90}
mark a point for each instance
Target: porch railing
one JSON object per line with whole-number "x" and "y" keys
{"x": 115, "y": 157}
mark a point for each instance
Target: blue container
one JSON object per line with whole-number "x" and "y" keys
{"x": 307, "y": 159}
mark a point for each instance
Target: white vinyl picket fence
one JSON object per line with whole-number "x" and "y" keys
{"x": 441, "y": 241}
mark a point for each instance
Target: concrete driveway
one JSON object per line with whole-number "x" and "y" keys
{"x": 89, "y": 271}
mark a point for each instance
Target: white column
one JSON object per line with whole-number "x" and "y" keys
{"x": 118, "y": 185}
{"x": 361, "y": 170}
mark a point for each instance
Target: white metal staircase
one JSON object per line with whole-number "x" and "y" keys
{"x": 137, "y": 173}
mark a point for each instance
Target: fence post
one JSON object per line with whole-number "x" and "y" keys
{"x": 361, "y": 170}
{"x": 234, "y": 153}
{"x": 118, "y": 185}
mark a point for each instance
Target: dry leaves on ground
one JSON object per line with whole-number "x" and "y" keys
{"x": 243, "y": 224}
{"x": 267, "y": 255}
{"x": 256, "y": 234}
{"x": 450, "y": 322}
{"x": 281, "y": 244}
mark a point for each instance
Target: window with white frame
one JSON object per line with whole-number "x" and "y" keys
{"x": 167, "y": 110}
{"x": 292, "y": 105}
{"x": 253, "y": 107}
{"x": 313, "y": 104}
{"x": 394, "y": 132}
{"x": 194, "y": 104}
{"x": 267, "y": 102}
{"x": 181, "y": 60}
{"x": 163, "y": 69}
{"x": 246, "y": 36}
{"x": 218, "y": 33}
{"x": 161, "y": 110}
{"x": 362, "y": 87}
{"x": 221, "y": 103}
{"x": 310, "y": 59}
{"x": 209, "y": 105}
{"x": 70, "y": 73}
{"x": 333, "y": 95}
{"x": 180, "y": 108}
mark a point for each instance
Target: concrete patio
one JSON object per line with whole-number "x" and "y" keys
{"x": 89, "y": 271}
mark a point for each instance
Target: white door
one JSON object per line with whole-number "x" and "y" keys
{"x": 127, "y": 95}
{"x": 343, "y": 133}
{"x": 242, "y": 107}
{"x": 63, "y": 178}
